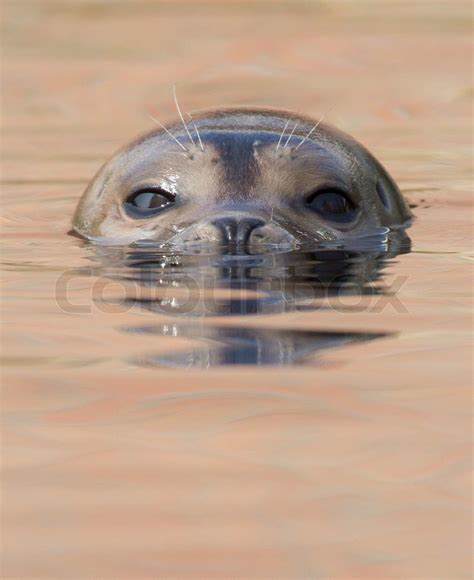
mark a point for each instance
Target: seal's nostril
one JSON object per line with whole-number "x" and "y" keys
{"x": 237, "y": 230}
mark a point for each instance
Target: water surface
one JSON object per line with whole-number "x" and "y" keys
{"x": 278, "y": 415}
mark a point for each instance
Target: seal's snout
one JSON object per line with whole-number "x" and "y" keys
{"x": 237, "y": 230}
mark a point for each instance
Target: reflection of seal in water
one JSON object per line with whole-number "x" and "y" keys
{"x": 240, "y": 178}
{"x": 191, "y": 286}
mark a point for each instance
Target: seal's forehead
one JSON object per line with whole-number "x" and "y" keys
{"x": 240, "y": 149}
{"x": 240, "y": 120}
{"x": 274, "y": 124}
{"x": 269, "y": 121}
{"x": 244, "y": 154}
{"x": 234, "y": 164}
{"x": 243, "y": 120}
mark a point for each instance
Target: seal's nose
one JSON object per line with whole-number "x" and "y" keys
{"x": 235, "y": 230}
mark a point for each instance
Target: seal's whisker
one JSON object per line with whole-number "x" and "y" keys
{"x": 282, "y": 133}
{"x": 169, "y": 133}
{"x": 181, "y": 115}
{"x": 196, "y": 129}
{"x": 313, "y": 129}
{"x": 308, "y": 134}
{"x": 290, "y": 135}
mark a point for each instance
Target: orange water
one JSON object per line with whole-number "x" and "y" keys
{"x": 353, "y": 465}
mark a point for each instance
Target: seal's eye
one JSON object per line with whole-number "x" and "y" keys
{"x": 148, "y": 202}
{"x": 332, "y": 204}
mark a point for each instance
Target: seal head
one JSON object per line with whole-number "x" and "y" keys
{"x": 240, "y": 178}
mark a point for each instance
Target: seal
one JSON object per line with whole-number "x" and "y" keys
{"x": 240, "y": 177}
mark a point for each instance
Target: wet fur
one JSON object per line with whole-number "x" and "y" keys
{"x": 240, "y": 162}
